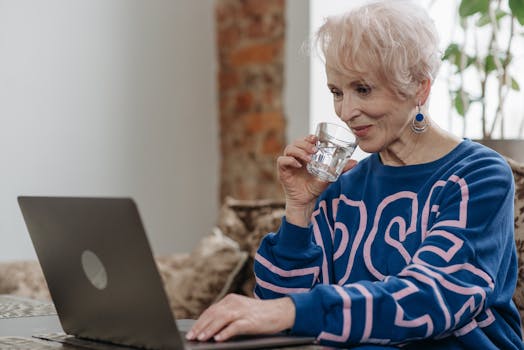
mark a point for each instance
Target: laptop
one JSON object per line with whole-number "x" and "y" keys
{"x": 103, "y": 278}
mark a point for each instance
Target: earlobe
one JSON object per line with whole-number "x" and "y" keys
{"x": 424, "y": 89}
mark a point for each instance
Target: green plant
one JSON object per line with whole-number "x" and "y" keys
{"x": 481, "y": 67}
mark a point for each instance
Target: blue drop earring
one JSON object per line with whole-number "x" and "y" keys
{"x": 420, "y": 123}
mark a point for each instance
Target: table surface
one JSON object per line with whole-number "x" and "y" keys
{"x": 22, "y": 318}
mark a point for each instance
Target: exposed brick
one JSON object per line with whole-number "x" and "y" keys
{"x": 227, "y": 10}
{"x": 244, "y": 102}
{"x": 228, "y": 37}
{"x": 273, "y": 144}
{"x": 250, "y": 39}
{"x": 268, "y": 96}
{"x": 256, "y": 54}
{"x": 260, "y": 7}
{"x": 258, "y": 122}
{"x": 227, "y": 79}
{"x": 269, "y": 26}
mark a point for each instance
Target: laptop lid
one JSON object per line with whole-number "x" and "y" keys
{"x": 100, "y": 270}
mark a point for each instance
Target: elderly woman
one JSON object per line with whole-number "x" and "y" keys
{"x": 414, "y": 244}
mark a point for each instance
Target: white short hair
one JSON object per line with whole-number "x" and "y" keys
{"x": 393, "y": 41}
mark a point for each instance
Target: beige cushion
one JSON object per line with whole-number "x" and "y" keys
{"x": 204, "y": 276}
{"x": 23, "y": 278}
{"x": 247, "y": 222}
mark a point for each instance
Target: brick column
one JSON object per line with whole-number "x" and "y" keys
{"x": 250, "y": 44}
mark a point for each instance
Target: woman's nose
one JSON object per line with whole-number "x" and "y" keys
{"x": 347, "y": 109}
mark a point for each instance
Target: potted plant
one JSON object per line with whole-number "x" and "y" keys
{"x": 482, "y": 78}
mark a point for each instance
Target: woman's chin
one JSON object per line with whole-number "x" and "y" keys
{"x": 368, "y": 147}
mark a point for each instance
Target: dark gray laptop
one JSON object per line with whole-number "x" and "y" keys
{"x": 104, "y": 281}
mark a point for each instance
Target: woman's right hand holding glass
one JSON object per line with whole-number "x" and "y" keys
{"x": 301, "y": 189}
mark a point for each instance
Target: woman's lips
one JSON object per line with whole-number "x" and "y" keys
{"x": 361, "y": 131}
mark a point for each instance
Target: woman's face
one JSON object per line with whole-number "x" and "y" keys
{"x": 380, "y": 119}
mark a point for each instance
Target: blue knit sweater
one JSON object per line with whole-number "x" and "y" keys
{"x": 421, "y": 255}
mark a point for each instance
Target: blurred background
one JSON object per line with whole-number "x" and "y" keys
{"x": 178, "y": 104}
{"x": 110, "y": 98}
{"x": 121, "y": 98}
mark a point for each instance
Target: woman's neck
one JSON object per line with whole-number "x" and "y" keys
{"x": 420, "y": 148}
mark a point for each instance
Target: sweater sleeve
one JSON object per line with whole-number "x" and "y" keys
{"x": 287, "y": 261}
{"x": 448, "y": 285}
{"x": 294, "y": 259}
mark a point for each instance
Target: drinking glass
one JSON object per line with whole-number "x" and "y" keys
{"x": 335, "y": 146}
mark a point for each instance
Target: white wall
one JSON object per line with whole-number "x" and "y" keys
{"x": 110, "y": 98}
{"x": 296, "y": 70}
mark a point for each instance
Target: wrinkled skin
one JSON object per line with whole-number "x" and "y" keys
{"x": 238, "y": 314}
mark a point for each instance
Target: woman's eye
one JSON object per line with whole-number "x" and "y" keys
{"x": 336, "y": 93}
{"x": 363, "y": 89}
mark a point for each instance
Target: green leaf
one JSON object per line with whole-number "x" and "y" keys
{"x": 489, "y": 64}
{"x": 452, "y": 50}
{"x": 515, "y": 85}
{"x": 460, "y": 105}
{"x": 470, "y": 60}
{"x": 485, "y": 19}
{"x": 453, "y": 54}
{"x": 517, "y": 8}
{"x": 470, "y": 7}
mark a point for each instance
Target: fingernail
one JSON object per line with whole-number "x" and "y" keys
{"x": 189, "y": 335}
{"x": 218, "y": 337}
{"x": 314, "y": 149}
{"x": 202, "y": 336}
